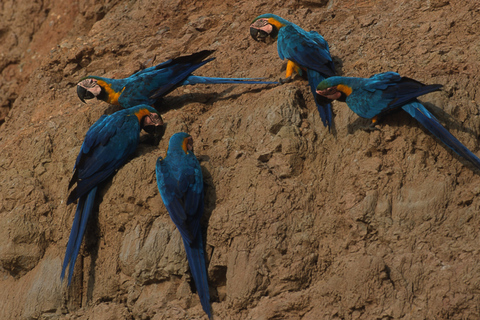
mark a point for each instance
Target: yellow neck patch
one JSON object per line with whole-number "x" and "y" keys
{"x": 112, "y": 95}
{"x": 345, "y": 89}
{"x": 275, "y": 23}
{"x": 142, "y": 113}
{"x": 185, "y": 145}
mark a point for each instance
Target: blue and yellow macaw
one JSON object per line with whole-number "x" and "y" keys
{"x": 107, "y": 145}
{"x": 305, "y": 52}
{"x": 384, "y": 92}
{"x": 149, "y": 85}
{"x": 180, "y": 182}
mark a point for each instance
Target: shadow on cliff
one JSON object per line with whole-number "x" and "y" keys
{"x": 338, "y": 63}
{"x": 173, "y": 102}
{"x": 400, "y": 118}
{"x": 216, "y": 277}
{"x": 92, "y": 242}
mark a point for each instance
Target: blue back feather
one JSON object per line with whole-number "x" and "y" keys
{"x": 107, "y": 145}
{"x": 180, "y": 182}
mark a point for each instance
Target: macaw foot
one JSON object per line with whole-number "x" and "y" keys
{"x": 369, "y": 128}
{"x": 372, "y": 126}
{"x": 285, "y": 80}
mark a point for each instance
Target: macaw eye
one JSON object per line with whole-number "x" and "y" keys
{"x": 331, "y": 90}
{"x": 88, "y": 83}
{"x": 260, "y": 23}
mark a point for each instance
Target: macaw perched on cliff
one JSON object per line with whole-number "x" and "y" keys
{"x": 305, "y": 51}
{"x": 384, "y": 92}
{"x": 180, "y": 182}
{"x": 148, "y": 85}
{"x": 107, "y": 145}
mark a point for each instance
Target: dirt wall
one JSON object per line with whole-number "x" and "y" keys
{"x": 299, "y": 223}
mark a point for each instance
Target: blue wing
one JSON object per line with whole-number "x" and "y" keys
{"x": 308, "y": 49}
{"x": 399, "y": 90}
{"x": 384, "y": 92}
{"x": 180, "y": 183}
{"x": 84, "y": 209}
{"x": 198, "y": 269}
{"x": 146, "y": 86}
{"x": 107, "y": 145}
{"x": 324, "y": 105}
{"x": 181, "y": 186}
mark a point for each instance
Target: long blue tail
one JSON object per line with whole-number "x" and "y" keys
{"x": 196, "y": 261}
{"x": 324, "y": 105}
{"x": 419, "y": 112}
{"x": 84, "y": 208}
{"x": 209, "y": 80}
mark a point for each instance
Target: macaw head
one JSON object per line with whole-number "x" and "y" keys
{"x": 149, "y": 118}
{"x": 88, "y": 88}
{"x": 334, "y": 88}
{"x": 266, "y": 25}
{"x": 105, "y": 89}
{"x": 179, "y": 142}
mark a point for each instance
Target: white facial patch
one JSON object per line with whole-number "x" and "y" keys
{"x": 262, "y": 24}
{"x": 91, "y": 86}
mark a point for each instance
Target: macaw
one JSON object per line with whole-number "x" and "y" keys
{"x": 180, "y": 182}
{"x": 148, "y": 85}
{"x": 384, "y": 92}
{"x": 107, "y": 145}
{"x": 305, "y": 52}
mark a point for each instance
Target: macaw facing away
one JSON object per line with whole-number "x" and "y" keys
{"x": 148, "y": 85}
{"x": 384, "y": 92}
{"x": 107, "y": 145}
{"x": 180, "y": 182}
{"x": 305, "y": 51}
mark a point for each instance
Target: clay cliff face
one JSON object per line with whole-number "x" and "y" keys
{"x": 299, "y": 223}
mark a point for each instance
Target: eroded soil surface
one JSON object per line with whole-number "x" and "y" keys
{"x": 300, "y": 223}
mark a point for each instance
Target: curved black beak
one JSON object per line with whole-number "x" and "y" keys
{"x": 257, "y": 34}
{"x": 153, "y": 124}
{"x": 155, "y": 133}
{"x": 154, "y": 130}
{"x": 84, "y": 93}
{"x": 254, "y": 33}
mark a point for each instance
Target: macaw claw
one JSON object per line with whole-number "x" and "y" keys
{"x": 285, "y": 80}
{"x": 370, "y": 128}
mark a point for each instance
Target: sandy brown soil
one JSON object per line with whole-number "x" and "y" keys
{"x": 299, "y": 223}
